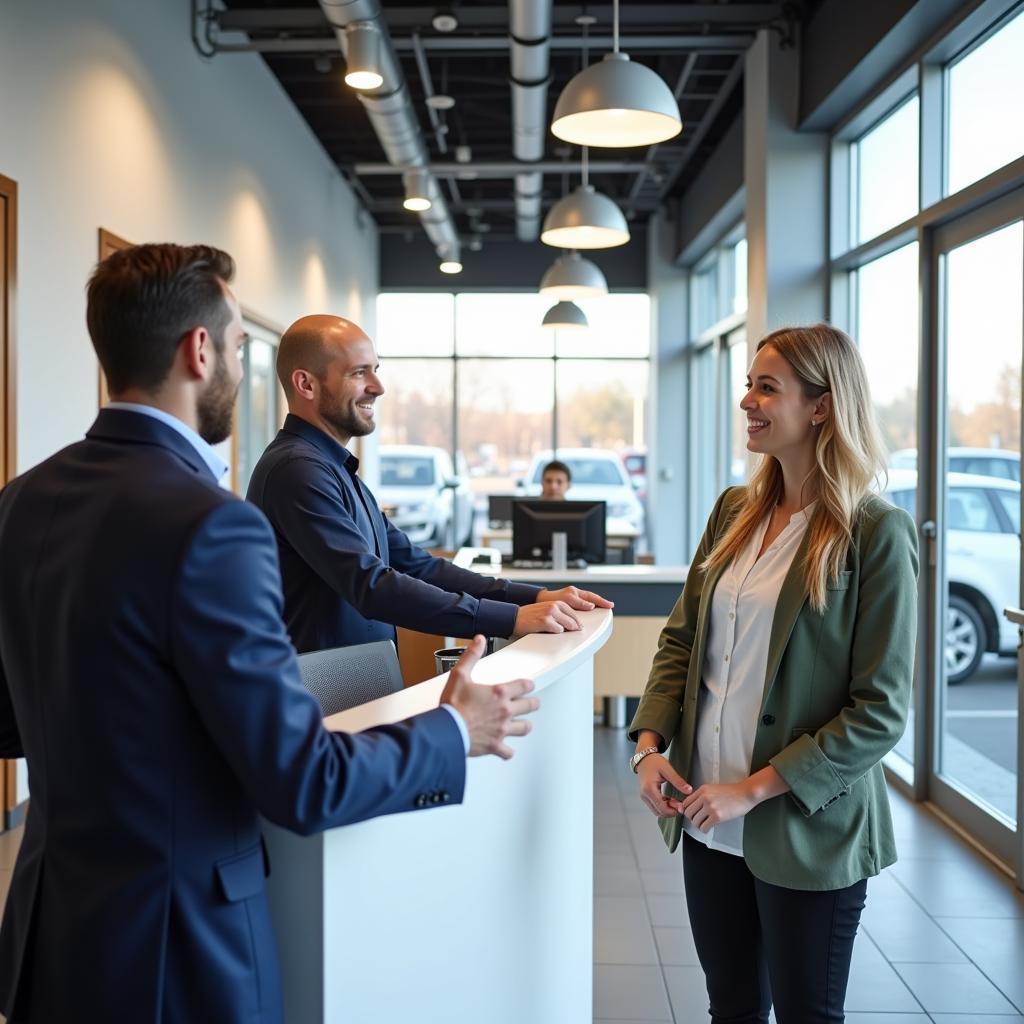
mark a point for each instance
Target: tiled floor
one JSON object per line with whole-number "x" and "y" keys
{"x": 941, "y": 938}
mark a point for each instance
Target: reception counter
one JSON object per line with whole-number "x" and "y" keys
{"x": 644, "y": 595}
{"x": 478, "y": 912}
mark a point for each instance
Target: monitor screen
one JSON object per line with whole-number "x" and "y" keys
{"x": 535, "y": 520}
{"x": 499, "y": 509}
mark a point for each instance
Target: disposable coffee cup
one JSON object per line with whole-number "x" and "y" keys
{"x": 445, "y": 659}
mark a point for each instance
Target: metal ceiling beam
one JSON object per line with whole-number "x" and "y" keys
{"x": 721, "y": 44}
{"x": 506, "y": 168}
{"x": 496, "y": 16}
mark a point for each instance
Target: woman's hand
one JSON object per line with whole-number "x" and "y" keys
{"x": 711, "y": 804}
{"x": 654, "y": 771}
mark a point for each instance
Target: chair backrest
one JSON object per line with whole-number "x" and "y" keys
{"x": 343, "y": 677}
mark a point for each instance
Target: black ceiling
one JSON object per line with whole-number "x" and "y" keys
{"x": 696, "y": 47}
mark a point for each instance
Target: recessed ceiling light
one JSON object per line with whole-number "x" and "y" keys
{"x": 444, "y": 21}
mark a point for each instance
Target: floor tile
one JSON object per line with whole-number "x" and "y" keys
{"x": 663, "y": 881}
{"x": 996, "y": 946}
{"x": 630, "y": 993}
{"x": 667, "y": 910}
{"x": 970, "y": 1018}
{"x": 888, "y": 1018}
{"x": 675, "y": 947}
{"x": 874, "y": 985}
{"x": 688, "y": 994}
{"x": 953, "y": 988}
{"x": 963, "y": 888}
{"x": 622, "y": 932}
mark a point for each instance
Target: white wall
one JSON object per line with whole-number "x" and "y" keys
{"x": 109, "y": 118}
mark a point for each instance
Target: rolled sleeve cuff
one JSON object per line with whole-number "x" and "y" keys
{"x": 813, "y": 780}
{"x": 522, "y": 593}
{"x": 660, "y": 715}
{"x": 495, "y": 618}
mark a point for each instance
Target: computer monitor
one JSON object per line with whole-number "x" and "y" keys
{"x": 535, "y": 520}
{"x": 499, "y": 510}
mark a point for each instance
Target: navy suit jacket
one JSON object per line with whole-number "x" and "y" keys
{"x": 349, "y": 575}
{"x": 146, "y": 675}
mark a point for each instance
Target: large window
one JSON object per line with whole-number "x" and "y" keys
{"x": 884, "y": 164}
{"x": 476, "y": 375}
{"x": 259, "y": 411}
{"x": 984, "y": 87}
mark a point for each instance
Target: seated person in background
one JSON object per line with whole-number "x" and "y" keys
{"x": 555, "y": 481}
{"x": 350, "y": 576}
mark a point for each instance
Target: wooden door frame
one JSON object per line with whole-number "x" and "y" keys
{"x": 8, "y": 400}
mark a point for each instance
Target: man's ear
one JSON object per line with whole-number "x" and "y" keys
{"x": 197, "y": 353}
{"x": 304, "y": 384}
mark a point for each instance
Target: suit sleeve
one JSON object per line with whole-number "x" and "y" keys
{"x": 661, "y": 706}
{"x": 10, "y": 738}
{"x": 821, "y": 767}
{"x": 239, "y": 668}
{"x": 412, "y": 560}
{"x": 305, "y": 504}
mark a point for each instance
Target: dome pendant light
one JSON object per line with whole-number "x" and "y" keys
{"x": 417, "y": 191}
{"x": 585, "y": 219}
{"x": 616, "y": 103}
{"x": 565, "y": 316}
{"x": 451, "y": 259}
{"x": 571, "y": 277}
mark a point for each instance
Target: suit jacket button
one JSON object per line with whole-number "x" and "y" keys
{"x": 435, "y": 798}
{"x": 445, "y": 797}
{"x": 421, "y": 800}
{"x": 768, "y": 720}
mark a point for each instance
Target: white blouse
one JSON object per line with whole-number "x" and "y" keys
{"x": 735, "y": 662}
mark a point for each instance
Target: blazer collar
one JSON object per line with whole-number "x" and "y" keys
{"x": 135, "y": 428}
{"x": 334, "y": 450}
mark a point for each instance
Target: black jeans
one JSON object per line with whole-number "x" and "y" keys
{"x": 760, "y": 943}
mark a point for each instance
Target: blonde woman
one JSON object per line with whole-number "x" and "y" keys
{"x": 782, "y": 678}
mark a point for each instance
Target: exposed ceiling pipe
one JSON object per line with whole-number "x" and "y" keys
{"x": 530, "y": 28}
{"x": 390, "y": 111}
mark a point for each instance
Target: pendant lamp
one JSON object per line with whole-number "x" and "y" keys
{"x": 616, "y": 103}
{"x": 572, "y": 277}
{"x": 565, "y": 316}
{"x": 585, "y": 219}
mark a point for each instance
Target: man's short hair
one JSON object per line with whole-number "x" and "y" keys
{"x": 557, "y": 466}
{"x": 144, "y": 299}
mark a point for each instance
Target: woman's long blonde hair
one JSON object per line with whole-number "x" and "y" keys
{"x": 849, "y": 456}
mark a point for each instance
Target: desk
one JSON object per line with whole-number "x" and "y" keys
{"x": 644, "y": 595}
{"x": 480, "y": 912}
{"x": 619, "y": 536}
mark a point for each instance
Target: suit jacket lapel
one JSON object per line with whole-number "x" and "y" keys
{"x": 787, "y": 609}
{"x": 707, "y": 592}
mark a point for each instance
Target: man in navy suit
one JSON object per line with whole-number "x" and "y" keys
{"x": 146, "y": 675}
{"x": 349, "y": 575}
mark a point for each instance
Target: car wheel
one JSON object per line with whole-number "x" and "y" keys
{"x": 965, "y": 639}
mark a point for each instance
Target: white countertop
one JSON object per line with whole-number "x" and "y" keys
{"x": 542, "y": 657}
{"x": 583, "y": 577}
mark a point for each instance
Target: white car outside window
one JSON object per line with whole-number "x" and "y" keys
{"x": 597, "y": 475}
{"x": 982, "y": 556}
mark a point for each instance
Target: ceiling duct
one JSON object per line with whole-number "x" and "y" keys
{"x": 390, "y": 111}
{"x": 530, "y": 28}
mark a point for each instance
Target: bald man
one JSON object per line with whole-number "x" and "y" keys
{"x": 350, "y": 576}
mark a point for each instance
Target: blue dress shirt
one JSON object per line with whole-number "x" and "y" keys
{"x": 349, "y": 575}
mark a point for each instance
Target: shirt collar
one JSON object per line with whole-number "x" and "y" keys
{"x": 217, "y": 466}
{"x": 328, "y": 445}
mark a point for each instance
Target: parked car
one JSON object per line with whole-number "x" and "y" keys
{"x": 982, "y": 560}
{"x": 635, "y": 461}
{"x": 997, "y": 462}
{"x": 420, "y": 492}
{"x": 597, "y": 475}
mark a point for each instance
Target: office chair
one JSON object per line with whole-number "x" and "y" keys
{"x": 343, "y": 677}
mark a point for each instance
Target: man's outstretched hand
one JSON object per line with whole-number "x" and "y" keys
{"x": 491, "y": 713}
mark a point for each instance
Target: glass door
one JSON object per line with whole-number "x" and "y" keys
{"x": 975, "y": 576}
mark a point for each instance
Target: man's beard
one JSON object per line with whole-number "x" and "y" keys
{"x": 216, "y": 407}
{"x": 344, "y": 418}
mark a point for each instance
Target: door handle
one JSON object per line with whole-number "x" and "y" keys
{"x": 1014, "y": 615}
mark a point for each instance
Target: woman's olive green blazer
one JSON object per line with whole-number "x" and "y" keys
{"x": 836, "y": 694}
